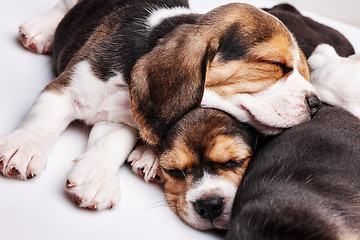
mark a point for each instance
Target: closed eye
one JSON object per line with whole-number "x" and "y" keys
{"x": 284, "y": 68}
{"x": 176, "y": 173}
{"x": 233, "y": 164}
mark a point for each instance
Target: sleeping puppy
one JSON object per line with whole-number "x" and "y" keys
{"x": 203, "y": 159}
{"x": 304, "y": 183}
{"x": 236, "y": 58}
{"x": 243, "y": 61}
{"x": 336, "y": 78}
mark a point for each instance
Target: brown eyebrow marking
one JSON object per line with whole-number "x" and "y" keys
{"x": 225, "y": 148}
{"x": 178, "y": 157}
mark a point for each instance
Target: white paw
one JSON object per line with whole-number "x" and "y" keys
{"x": 22, "y": 156}
{"x": 92, "y": 186}
{"x": 38, "y": 35}
{"x": 145, "y": 162}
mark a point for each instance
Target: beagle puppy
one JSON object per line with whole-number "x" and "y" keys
{"x": 236, "y": 58}
{"x": 336, "y": 78}
{"x": 243, "y": 61}
{"x": 304, "y": 183}
{"x": 203, "y": 159}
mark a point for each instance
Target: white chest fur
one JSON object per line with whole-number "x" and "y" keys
{"x": 95, "y": 100}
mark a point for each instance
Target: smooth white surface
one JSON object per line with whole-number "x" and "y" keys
{"x": 40, "y": 208}
{"x": 344, "y": 10}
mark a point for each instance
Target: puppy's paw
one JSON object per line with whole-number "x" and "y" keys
{"x": 37, "y": 35}
{"x": 92, "y": 186}
{"x": 21, "y": 156}
{"x": 321, "y": 56}
{"x": 145, "y": 162}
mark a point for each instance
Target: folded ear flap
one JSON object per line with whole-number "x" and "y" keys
{"x": 169, "y": 81}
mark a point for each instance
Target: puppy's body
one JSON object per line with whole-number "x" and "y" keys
{"x": 304, "y": 183}
{"x": 96, "y": 93}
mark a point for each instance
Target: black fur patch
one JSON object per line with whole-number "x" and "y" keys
{"x": 300, "y": 180}
{"x": 119, "y": 51}
{"x": 232, "y": 46}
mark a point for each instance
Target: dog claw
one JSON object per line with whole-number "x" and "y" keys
{"x": 141, "y": 172}
{"x": 24, "y": 38}
{"x": 75, "y": 160}
{"x": 14, "y": 171}
{"x": 31, "y": 175}
{"x": 69, "y": 184}
{"x": 93, "y": 207}
{"x": 79, "y": 200}
{"x": 33, "y": 46}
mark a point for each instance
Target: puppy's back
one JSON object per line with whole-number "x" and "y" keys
{"x": 304, "y": 184}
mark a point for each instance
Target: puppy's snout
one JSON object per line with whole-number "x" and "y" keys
{"x": 314, "y": 105}
{"x": 209, "y": 208}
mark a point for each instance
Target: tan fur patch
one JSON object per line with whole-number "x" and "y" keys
{"x": 225, "y": 148}
{"x": 238, "y": 76}
{"x": 59, "y": 84}
{"x": 179, "y": 157}
{"x": 304, "y": 67}
{"x": 236, "y": 175}
{"x": 277, "y": 50}
{"x": 175, "y": 193}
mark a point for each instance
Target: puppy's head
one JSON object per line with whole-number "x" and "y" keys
{"x": 203, "y": 159}
{"x": 244, "y": 57}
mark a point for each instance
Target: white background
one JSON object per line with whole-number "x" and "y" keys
{"x": 40, "y": 208}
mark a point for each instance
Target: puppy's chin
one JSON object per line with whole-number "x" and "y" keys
{"x": 183, "y": 203}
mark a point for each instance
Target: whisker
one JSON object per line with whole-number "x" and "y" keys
{"x": 158, "y": 204}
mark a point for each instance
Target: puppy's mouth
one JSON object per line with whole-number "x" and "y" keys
{"x": 207, "y": 205}
{"x": 273, "y": 120}
{"x": 260, "y": 125}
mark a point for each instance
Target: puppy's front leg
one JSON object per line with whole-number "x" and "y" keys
{"x": 93, "y": 178}
{"x": 23, "y": 152}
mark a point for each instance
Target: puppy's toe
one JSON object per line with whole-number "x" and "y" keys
{"x": 145, "y": 162}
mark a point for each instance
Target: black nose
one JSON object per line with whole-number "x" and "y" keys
{"x": 209, "y": 208}
{"x": 314, "y": 104}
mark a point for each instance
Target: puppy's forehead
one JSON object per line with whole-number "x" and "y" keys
{"x": 224, "y": 148}
{"x": 219, "y": 149}
{"x": 252, "y": 49}
{"x": 252, "y": 31}
{"x": 179, "y": 156}
{"x": 255, "y": 24}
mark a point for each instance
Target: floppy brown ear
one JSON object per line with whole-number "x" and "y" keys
{"x": 169, "y": 81}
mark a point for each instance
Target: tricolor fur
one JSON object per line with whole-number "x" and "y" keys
{"x": 174, "y": 61}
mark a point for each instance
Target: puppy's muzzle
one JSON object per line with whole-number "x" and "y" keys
{"x": 314, "y": 105}
{"x": 209, "y": 208}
